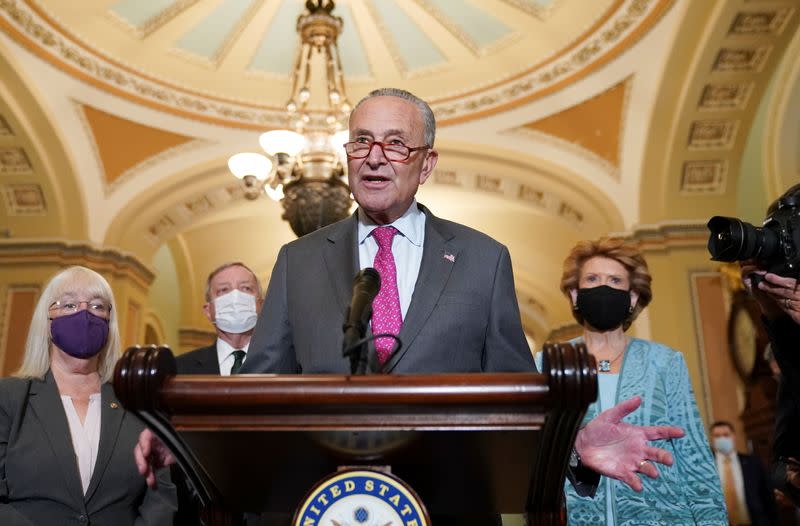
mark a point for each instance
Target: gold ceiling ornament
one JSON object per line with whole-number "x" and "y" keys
{"x": 304, "y": 167}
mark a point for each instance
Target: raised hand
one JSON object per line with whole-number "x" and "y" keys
{"x": 151, "y": 455}
{"x": 620, "y": 450}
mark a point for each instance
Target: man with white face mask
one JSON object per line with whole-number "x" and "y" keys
{"x": 233, "y": 301}
{"x": 745, "y": 484}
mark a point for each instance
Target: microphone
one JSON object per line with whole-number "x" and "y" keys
{"x": 366, "y": 285}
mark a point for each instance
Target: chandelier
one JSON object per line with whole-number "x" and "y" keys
{"x": 304, "y": 167}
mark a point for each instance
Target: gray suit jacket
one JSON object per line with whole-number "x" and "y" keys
{"x": 463, "y": 315}
{"x": 39, "y": 479}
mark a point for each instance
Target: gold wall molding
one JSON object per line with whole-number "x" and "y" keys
{"x": 24, "y": 199}
{"x": 667, "y": 235}
{"x": 512, "y": 188}
{"x": 5, "y": 129}
{"x": 192, "y": 338}
{"x": 14, "y": 161}
{"x": 64, "y": 253}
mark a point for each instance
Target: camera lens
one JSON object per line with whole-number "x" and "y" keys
{"x": 732, "y": 239}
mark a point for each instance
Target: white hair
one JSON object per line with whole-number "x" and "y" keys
{"x": 428, "y": 119}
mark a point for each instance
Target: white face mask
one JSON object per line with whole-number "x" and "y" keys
{"x": 235, "y": 312}
{"x": 723, "y": 444}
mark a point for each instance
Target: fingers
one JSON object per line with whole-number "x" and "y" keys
{"x": 141, "y": 451}
{"x": 151, "y": 480}
{"x": 632, "y": 479}
{"x": 621, "y": 410}
{"x": 661, "y": 456}
{"x": 662, "y": 432}
{"x": 780, "y": 281}
{"x": 647, "y": 468}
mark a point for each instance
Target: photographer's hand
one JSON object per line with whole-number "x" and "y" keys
{"x": 776, "y": 295}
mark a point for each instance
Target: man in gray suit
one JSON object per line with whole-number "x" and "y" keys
{"x": 457, "y": 302}
{"x": 451, "y": 298}
{"x": 457, "y": 307}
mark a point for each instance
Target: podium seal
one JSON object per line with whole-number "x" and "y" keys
{"x": 361, "y": 498}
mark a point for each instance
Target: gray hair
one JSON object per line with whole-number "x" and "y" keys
{"x": 228, "y": 265}
{"x": 426, "y": 112}
{"x": 36, "y": 361}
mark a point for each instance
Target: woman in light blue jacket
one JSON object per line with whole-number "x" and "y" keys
{"x": 608, "y": 285}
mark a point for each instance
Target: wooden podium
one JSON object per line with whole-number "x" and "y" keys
{"x": 466, "y": 443}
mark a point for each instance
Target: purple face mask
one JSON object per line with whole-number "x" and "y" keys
{"x": 81, "y": 335}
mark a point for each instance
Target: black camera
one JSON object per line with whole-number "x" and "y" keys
{"x": 773, "y": 247}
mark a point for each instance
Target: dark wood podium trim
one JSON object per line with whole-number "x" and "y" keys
{"x": 551, "y": 404}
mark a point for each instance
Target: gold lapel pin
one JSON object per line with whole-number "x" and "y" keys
{"x": 114, "y": 405}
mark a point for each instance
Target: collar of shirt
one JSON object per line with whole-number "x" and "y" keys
{"x": 225, "y": 350}
{"x": 411, "y": 225}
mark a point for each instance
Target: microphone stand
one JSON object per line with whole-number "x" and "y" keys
{"x": 355, "y": 344}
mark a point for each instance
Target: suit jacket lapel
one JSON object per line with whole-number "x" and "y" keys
{"x": 341, "y": 260}
{"x": 111, "y": 415}
{"x": 434, "y": 272}
{"x": 208, "y": 362}
{"x": 46, "y": 403}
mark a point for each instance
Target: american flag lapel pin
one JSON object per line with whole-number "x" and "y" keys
{"x": 450, "y": 257}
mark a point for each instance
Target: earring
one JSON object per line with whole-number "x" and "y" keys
{"x": 575, "y": 307}
{"x": 630, "y": 309}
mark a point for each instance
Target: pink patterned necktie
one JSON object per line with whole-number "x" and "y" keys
{"x": 386, "y": 314}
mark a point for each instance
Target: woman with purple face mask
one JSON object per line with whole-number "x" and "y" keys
{"x": 608, "y": 285}
{"x": 65, "y": 440}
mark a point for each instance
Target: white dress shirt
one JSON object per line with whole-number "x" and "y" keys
{"x": 407, "y": 247}
{"x": 85, "y": 436}
{"x": 738, "y": 480}
{"x": 225, "y": 356}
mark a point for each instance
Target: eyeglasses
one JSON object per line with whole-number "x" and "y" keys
{"x": 396, "y": 151}
{"x": 67, "y": 307}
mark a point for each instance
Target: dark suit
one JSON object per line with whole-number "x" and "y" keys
{"x": 200, "y": 361}
{"x": 784, "y": 334}
{"x": 39, "y": 478}
{"x": 463, "y": 315}
{"x": 758, "y": 492}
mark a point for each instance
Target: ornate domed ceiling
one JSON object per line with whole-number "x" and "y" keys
{"x": 229, "y": 60}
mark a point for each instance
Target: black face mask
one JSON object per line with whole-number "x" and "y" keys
{"x": 604, "y": 307}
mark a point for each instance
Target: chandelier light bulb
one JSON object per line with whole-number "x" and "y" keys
{"x": 334, "y": 97}
{"x": 247, "y": 163}
{"x": 306, "y": 119}
{"x": 330, "y": 119}
{"x": 304, "y": 95}
{"x": 345, "y": 107}
{"x": 282, "y": 141}
{"x": 291, "y": 106}
{"x": 338, "y": 139}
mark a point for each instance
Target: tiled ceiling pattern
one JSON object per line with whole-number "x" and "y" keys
{"x": 21, "y": 193}
{"x": 717, "y": 119}
{"x": 212, "y": 33}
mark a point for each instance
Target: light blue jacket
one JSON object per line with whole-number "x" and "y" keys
{"x": 688, "y": 492}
